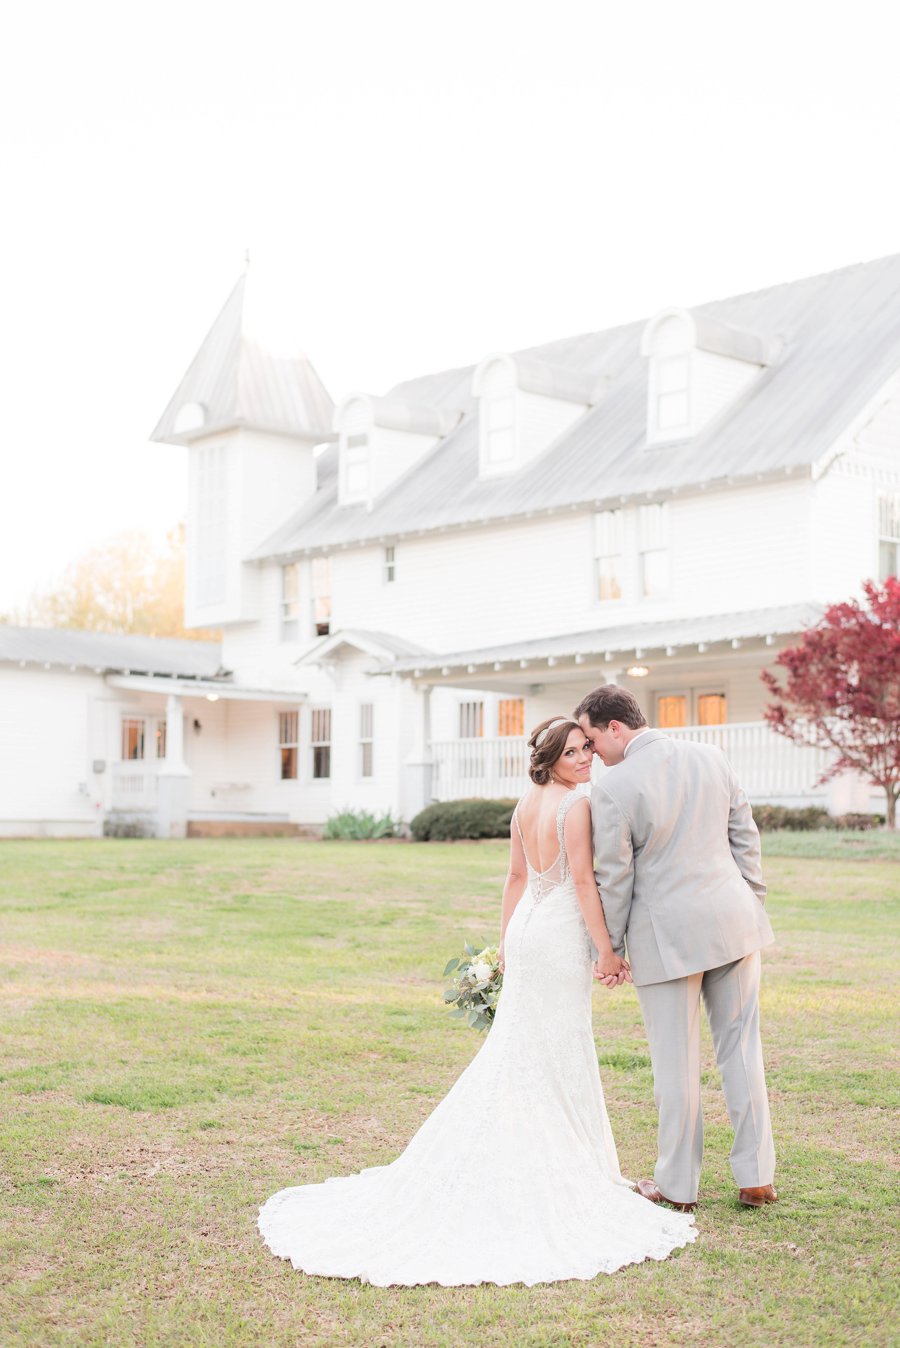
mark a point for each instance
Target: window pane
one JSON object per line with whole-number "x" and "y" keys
{"x": 289, "y": 763}
{"x": 672, "y": 374}
{"x": 671, "y": 711}
{"x": 887, "y": 559}
{"x": 655, "y": 574}
{"x": 132, "y": 738}
{"x": 889, "y": 516}
{"x": 608, "y": 533}
{"x": 499, "y": 413}
{"x": 366, "y": 716}
{"x": 357, "y": 478}
{"x": 500, "y": 446}
{"x": 288, "y": 726}
{"x": 609, "y": 578}
{"x": 711, "y": 709}
{"x": 321, "y": 761}
{"x": 365, "y": 766}
{"x": 672, "y": 410}
{"x": 471, "y": 720}
{"x": 511, "y": 716}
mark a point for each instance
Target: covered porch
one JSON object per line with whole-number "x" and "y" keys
{"x": 696, "y": 678}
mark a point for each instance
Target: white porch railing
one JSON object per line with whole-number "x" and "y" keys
{"x": 768, "y": 767}
{"x": 133, "y": 786}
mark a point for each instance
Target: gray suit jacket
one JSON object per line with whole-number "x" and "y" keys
{"x": 678, "y": 860}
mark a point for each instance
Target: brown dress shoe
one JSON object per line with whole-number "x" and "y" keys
{"x": 648, "y": 1189}
{"x": 758, "y": 1197}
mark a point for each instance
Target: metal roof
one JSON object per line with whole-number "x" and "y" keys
{"x": 103, "y": 651}
{"x": 238, "y": 380}
{"x": 837, "y": 339}
{"x": 630, "y": 638}
{"x": 383, "y": 645}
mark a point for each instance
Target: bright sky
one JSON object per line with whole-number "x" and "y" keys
{"x": 422, "y": 181}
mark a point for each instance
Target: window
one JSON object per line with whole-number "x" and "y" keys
{"x": 653, "y": 546}
{"x": 290, "y": 602}
{"x": 671, "y": 711}
{"x": 390, "y": 566}
{"x": 366, "y": 738}
{"x": 888, "y": 536}
{"x": 511, "y": 716}
{"x": 608, "y": 549}
{"x": 211, "y": 524}
{"x": 133, "y": 734}
{"x": 356, "y": 467}
{"x": 671, "y": 392}
{"x": 321, "y": 591}
{"x": 498, "y": 430}
{"x": 289, "y": 743}
{"x": 711, "y": 709}
{"x": 320, "y": 739}
{"x": 471, "y": 720}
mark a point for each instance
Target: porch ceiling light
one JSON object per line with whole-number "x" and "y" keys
{"x": 212, "y": 697}
{"x": 637, "y": 671}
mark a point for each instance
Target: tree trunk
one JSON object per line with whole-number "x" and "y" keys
{"x": 891, "y": 792}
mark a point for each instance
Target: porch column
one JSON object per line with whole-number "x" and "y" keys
{"x": 418, "y": 766}
{"x": 173, "y": 778}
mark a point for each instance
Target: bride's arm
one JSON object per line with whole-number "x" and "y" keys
{"x": 580, "y": 851}
{"x": 514, "y": 888}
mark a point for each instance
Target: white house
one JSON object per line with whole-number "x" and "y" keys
{"x": 406, "y": 583}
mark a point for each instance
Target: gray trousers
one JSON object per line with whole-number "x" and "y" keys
{"x": 671, "y": 1013}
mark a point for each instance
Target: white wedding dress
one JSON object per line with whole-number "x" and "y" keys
{"x": 514, "y": 1177}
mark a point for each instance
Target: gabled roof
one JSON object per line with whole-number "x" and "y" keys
{"x": 837, "y": 339}
{"x": 239, "y": 378}
{"x": 106, "y": 652}
{"x": 383, "y": 646}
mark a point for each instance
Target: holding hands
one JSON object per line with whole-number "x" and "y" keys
{"x": 611, "y": 970}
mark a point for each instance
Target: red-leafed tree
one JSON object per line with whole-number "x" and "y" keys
{"x": 841, "y": 689}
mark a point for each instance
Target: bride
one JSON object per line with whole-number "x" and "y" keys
{"x": 514, "y": 1177}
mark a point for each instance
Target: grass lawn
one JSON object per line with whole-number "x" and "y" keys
{"x": 187, "y": 1027}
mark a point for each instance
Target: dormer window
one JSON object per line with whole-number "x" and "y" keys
{"x": 356, "y": 468}
{"x": 698, "y": 366}
{"x": 672, "y": 393}
{"x": 524, "y": 404}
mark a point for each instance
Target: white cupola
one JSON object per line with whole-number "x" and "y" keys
{"x": 379, "y": 439}
{"x": 251, "y": 411}
{"x": 698, "y": 367}
{"x": 524, "y": 404}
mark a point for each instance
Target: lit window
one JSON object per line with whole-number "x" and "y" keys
{"x": 390, "y": 566}
{"x": 608, "y": 549}
{"x": 672, "y": 392}
{"x": 289, "y": 743}
{"x": 711, "y": 709}
{"x": 320, "y": 739}
{"x": 653, "y": 546}
{"x": 133, "y": 734}
{"x": 511, "y": 716}
{"x": 290, "y": 602}
{"x": 671, "y": 711}
{"x": 321, "y": 592}
{"x": 888, "y": 536}
{"x": 499, "y": 438}
{"x": 366, "y": 739}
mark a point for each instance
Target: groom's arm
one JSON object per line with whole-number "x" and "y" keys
{"x": 743, "y": 838}
{"x": 614, "y": 855}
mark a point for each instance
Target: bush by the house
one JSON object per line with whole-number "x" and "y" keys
{"x": 448, "y": 820}
{"x": 772, "y": 817}
{"x": 359, "y": 824}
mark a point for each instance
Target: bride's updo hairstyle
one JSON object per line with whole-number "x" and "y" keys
{"x": 547, "y": 742}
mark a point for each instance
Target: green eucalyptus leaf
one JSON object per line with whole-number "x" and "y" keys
{"x": 450, "y": 967}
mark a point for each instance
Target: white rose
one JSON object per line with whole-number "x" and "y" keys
{"x": 481, "y": 971}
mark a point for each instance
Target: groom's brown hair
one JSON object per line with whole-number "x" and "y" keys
{"x": 611, "y": 703}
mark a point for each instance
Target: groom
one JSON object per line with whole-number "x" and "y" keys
{"x": 678, "y": 868}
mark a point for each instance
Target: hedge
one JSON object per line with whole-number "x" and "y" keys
{"x": 772, "y": 817}
{"x": 447, "y": 820}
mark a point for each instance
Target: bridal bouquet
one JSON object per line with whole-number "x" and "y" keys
{"x": 477, "y": 981}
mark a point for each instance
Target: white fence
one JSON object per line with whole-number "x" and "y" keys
{"x": 133, "y": 787}
{"x": 768, "y": 766}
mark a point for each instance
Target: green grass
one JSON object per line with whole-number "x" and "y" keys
{"x": 187, "y": 1027}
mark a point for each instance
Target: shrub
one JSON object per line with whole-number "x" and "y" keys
{"x": 447, "y": 820}
{"x": 359, "y": 824}
{"x": 812, "y": 817}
